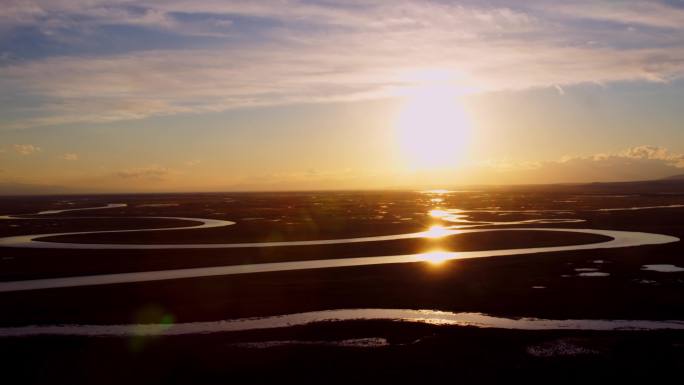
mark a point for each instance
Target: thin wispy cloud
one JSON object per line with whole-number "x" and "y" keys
{"x": 26, "y": 149}
{"x": 70, "y": 156}
{"x": 636, "y": 13}
{"x": 151, "y": 173}
{"x": 282, "y": 52}
{"x": 636, "y": 163}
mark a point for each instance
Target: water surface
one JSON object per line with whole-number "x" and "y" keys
{"x": 433, "y": 317}
{"x": 617, "y": 239}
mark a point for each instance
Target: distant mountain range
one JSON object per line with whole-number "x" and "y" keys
{"x": 669, "y": 185}
{"x": 675, "y": 177}
{"x": 33, "y": 189}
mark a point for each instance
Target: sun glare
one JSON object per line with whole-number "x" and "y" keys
{"x": 436, "y": 192}
{"x": 437, "y": 257}
{"x": 438, "y": 213}
{"x": 436, "y": 232}
{"x": 432, "y": 127}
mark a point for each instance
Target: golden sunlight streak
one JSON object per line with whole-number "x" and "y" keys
{"x": 437, "y": 257}
{"x": 437, "y": 232}
{"x": 438, "y": 213}
{"x": 436, "y": 192}
{"x": 432, "y": 127}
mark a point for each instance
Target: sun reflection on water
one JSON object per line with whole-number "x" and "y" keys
{"x": 437, "y": 257}
{"x": 438, "y": 213}
{"x": 451, "y": 215}
{"x": 436, "y": 191}
{"x": 437, "y": 231}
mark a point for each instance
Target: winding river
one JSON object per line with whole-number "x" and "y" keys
{"x": 617, "y": 239}
{"x": 461, "y": 225}
{"x": 433, "y": 317}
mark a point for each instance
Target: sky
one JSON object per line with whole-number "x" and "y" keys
{"x": 209, "y": 95}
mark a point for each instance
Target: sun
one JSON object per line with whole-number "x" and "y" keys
{"x": 432, "y": 127}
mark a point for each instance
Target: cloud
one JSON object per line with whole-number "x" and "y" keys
{"x": 26, "y": 149}
{"x": 655, "y": 152}
{"x": 70, "y": 156}
{"x": 560, "y": 89}
{"x": 504, "y": 165}
{"x": 51, "y": 16}
{"x": 307, "y": 52}
{"x": 150, "y": 173}
{"x": 640, "y": 13}
{"x": 636, "y": 163}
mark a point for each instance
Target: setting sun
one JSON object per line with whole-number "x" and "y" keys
{"x": 432, "y": 127}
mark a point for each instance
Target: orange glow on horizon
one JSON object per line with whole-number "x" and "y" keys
{"x": 436, "y": 191}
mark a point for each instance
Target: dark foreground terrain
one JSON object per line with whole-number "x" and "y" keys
{"x": 416, "y": 353}
{"x": 544, "y": 285}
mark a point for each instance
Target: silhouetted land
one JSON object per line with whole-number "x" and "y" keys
{"x": 416, "y": 352}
